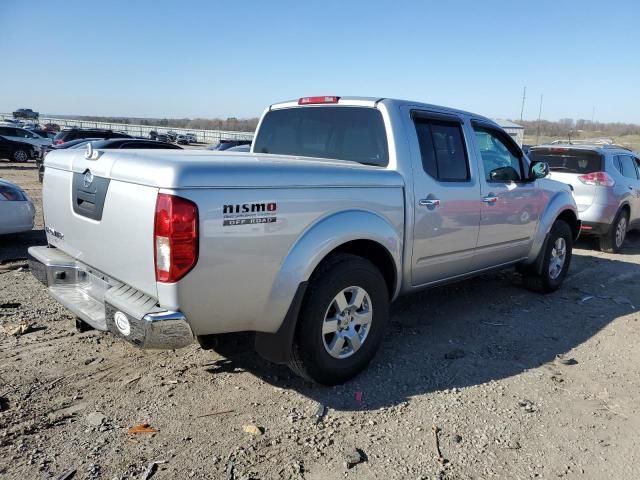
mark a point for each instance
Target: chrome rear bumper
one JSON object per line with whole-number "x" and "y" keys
{"x": 107, "y": 304}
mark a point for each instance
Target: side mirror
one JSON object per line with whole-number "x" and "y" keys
{"x": 538, "y": 170}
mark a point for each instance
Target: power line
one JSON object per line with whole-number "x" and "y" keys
{"x": 539, "y": 115}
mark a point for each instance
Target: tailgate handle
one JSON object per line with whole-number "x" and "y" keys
{"x": 86, "y": 197}
{"x": 88, "y": 200}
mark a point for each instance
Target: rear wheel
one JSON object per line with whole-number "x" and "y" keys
{"x": 556, "y": 258}
{"x": 611, "y": 242}
{"x": 342, "y": 320}
{"x": 20, "y": 155}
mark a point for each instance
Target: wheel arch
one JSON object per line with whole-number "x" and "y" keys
{"x": 359, "y": 232}
{"x": 561, "y": 206}
{"x": 571, "y": 219}
{"x": 373, "y": 251}
{"x": 625, "y": 206}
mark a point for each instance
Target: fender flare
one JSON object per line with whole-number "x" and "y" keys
{"x": 561, "y": 202}
{"x": 311, "y": 248}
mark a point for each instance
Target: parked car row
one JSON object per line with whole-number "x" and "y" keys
{"x": 173, "y": 137}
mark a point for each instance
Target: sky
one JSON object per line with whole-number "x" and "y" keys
{"x": 211, "y": 59}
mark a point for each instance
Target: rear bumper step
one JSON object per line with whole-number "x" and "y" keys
{"x": 107, "y": 304}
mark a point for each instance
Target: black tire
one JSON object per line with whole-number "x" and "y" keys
{"x": 310, "y": 359}
{"x": 609, "y": 242}
{"x": 541, "y": 279}
{"x": 20, "y": 155}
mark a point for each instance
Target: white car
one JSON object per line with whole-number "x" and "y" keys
{"x": 191, "y": 137}
{"x": 23, "y": 135}
{"x": 16, "y": 209}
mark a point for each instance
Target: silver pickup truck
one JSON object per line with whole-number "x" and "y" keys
{"x": 342, "y": 205}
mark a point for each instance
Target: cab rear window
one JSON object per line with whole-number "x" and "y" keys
{"x": 342, "y": 133}
{"x": 567, "y": 160}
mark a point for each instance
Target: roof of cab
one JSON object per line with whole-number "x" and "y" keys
{"x": 374, "y": 101}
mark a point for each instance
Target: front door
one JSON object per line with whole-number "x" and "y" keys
{"x": 511, "y": 205}
{"x": 446, "y": 209}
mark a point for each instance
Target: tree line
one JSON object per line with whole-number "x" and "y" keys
{"x": 568, "y": 126}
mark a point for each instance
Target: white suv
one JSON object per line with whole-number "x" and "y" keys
{"x": 606, "y": 186}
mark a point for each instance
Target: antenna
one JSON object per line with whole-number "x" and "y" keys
{"x": 524, "y": 96}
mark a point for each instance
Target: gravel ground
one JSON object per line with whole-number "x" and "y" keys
{"x": 517, "y": 385}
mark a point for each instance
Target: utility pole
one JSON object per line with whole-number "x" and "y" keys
{"x": 524, "y": 96}
{"x": 539, "y": 115}
{"x": 593, "y": 114}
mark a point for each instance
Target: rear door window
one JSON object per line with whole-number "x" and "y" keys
{"x": 628, "y": 166}
{"x": 442, "y": 148}
{"x": 342, "y": 133}
{"x": 566, "y": 160}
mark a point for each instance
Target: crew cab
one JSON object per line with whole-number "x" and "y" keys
{"x": 342, "y": 205}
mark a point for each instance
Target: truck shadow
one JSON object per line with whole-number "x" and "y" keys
{"x": 474, "y": 332}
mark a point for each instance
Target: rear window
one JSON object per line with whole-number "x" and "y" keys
{"x": 60, "y": 136}
{"x": 567, "y": 160}
{"x": 342, "y": 133}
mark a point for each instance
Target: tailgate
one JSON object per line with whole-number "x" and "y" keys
{"x": 104, "y": 223}
{"x": 583, "y": 194}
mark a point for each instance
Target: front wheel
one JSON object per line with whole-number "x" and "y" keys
{"x": 342, "y": 320}
{"x": 556, "y": 258}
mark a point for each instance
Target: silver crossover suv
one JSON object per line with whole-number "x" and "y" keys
{"x": 606, "y": 186}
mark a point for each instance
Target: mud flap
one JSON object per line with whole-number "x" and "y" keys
{"x": 276, "y": 347}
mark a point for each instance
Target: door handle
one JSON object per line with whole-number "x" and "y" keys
{"x": 429, "y": 202}
{"x": 490, "y": 199}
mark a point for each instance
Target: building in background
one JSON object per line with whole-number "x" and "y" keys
{"x": 516, "y": 131}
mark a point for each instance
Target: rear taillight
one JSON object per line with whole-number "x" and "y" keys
{"x": 322, "y": 99}
{"x": 175, "y": 237}
{"x": 601, "y": 179}
{"x": 58, "y": 142}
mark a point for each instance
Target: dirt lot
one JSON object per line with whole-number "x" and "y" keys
{"x": 519, "y": 386}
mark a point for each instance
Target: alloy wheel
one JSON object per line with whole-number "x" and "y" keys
{"x": 558, "y": 257}
{"x": 621, "y": 231}
{"x": 347, "y": 322}
{"x": 20, "y": 156}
